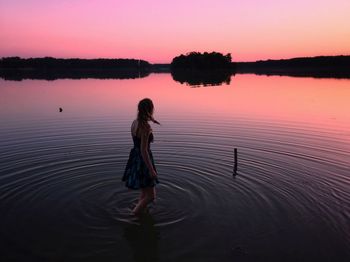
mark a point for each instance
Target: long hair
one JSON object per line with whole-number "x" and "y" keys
{"x": 145, "y": 114}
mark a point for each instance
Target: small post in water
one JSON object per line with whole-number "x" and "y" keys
{"x": 235, "y": 165}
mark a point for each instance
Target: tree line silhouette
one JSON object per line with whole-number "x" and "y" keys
{"x": 72, "y": 63}
{"x": 202, "y": 69}
{"x": 199, "y": 61}
{"x": 49, "y": 68}
{"x": 319, "y": 66}
{"x": 193, "y": 68}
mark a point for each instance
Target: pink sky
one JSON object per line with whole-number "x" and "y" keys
{"x": 159, "y": 30}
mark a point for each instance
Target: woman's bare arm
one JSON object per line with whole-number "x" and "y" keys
{"x": 145, "y": 154}
{"x": 133, "y": 129}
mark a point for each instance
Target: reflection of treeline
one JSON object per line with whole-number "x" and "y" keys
{"x": 202, "y": 77}
{"x": 19, "y": 75}
{"x": 15, "y": 68}
{"x": 199, "y": 61}
{"x": 321, "y": 66}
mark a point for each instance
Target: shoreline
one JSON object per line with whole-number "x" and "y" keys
{"x": 15, "y": 68}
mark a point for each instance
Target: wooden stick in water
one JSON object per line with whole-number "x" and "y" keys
{"x": 235, "y": 165}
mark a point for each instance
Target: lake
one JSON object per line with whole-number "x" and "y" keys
{"x": 62, "y": 198}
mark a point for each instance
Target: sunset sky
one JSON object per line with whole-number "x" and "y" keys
{"x": 158, "y": 30}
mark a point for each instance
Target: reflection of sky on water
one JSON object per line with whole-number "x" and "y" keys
{"x": 318, "y": 101}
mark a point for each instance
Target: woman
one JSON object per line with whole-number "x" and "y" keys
{"x": 140, "y": 171}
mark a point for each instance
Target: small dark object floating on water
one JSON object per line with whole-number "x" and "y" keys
{"x": 60, "y": 109}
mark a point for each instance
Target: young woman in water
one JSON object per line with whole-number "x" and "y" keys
{"x": 140, "y": 171}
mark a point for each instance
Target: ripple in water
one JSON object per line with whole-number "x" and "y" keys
{"x": 61, "y": 187}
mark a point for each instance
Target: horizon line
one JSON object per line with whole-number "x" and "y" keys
{"x": 268, "y": 59}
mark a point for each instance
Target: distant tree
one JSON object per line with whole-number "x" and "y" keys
{"x": 205, "y": 61}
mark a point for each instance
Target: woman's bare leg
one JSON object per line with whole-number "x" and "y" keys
{"x": 153, "y": 193}
{"x": 149, "y": 195}
{"x": 142, "y": 195}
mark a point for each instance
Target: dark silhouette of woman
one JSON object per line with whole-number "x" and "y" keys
{"x": 140, "y": 171}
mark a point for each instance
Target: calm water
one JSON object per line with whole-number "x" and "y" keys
{"x": 61, "y": 193}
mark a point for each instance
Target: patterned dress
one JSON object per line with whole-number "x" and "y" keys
{"x": 137, "y": 174}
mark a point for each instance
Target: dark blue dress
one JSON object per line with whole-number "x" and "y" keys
{"x": 137, "y": 174}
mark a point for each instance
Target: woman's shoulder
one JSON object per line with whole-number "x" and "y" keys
{"x": 146, "y": 129}
{"x": 134, "y": 122}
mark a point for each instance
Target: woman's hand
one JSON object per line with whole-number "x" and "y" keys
{"x": 154, "y": 174}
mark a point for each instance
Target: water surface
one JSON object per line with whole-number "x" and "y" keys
{"x": 60, "y": 173}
